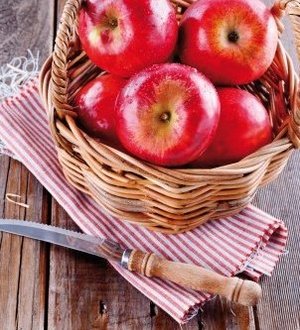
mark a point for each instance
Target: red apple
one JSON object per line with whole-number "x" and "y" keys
{"x": 125, "y": 36}
{"x": 167, "y": 114}
{"x": 243, "y": 128}
{"x": 95, "y": 104}
{"x": 230, "y": 41}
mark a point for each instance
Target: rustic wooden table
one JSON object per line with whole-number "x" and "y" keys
{"x": 47, "y": 287}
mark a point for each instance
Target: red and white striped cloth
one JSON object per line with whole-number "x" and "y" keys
{"x": 250, "y": 242}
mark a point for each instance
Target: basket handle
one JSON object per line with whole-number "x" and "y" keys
{"x": 243, "y": 292}
{"x": 61, "y": 54}
{"x": 292, "y": 9}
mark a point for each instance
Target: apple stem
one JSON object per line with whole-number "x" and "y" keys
{"x": 233, "y": 36}
{"x": 113, "y": 23}
{"x": 165, "y": 116}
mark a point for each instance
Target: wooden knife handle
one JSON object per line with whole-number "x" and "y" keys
{"x": 237, "y": 290}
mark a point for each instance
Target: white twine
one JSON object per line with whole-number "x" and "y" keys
{"x": 16, "y": 73}
{"x": 5, "y": 151}
{"x": 248, "y": 264}
{"x": 12, "y": 76}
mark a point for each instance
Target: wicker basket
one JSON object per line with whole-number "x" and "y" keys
{"x": 162, "y": 199}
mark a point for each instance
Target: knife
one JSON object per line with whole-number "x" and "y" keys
{"x": 244, "y": 292}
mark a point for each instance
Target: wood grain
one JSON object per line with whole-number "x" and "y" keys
{"x": 221, "y": 314}
{"x": 280, "y": 306}
{"x": 25, "y": 25}
{"x": 23, "y": 270}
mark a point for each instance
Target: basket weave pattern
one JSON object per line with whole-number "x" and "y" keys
{"x": 167, "y": 200}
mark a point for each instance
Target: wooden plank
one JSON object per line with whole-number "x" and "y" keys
{"x": 33, "y": 278}
{"x": 4, "y": 166}
{"x": 59, "y": 9}
{"x": 23, "y": 262}
{"x": 280, "y": 306}
{"x": 25, "y": 25}
{"x": 23, "y": 270}
{"x": 163, "y": 321}
{"x": 220, "y": 314}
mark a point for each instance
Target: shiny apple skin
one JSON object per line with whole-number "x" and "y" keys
{"x": 146, "y": 33}
{"x": 95, "y": 107}
{"x": 167, "y": 114}
{"x": 204, "y": 39}
{"x": 244, "y": 127}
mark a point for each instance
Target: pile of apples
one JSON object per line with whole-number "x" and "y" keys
{"x": 170, "y": 95}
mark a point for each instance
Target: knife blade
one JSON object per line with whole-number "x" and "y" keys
{"x": 97, "y": 246}
{"x": 148, "y": 264}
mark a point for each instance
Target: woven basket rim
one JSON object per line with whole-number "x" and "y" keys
{"x": 270, "y": 158}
